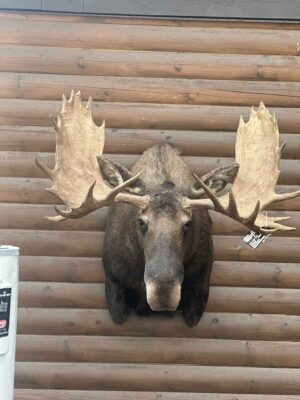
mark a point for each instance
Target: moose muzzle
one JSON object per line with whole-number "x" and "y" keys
{"x": 163, "y": 296}
{"x": 163, "y": 276}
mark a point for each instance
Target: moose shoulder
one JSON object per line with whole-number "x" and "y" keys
{"x": 158, "y": 251}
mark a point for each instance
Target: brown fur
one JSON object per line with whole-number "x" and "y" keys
{"x": 165, "y": 253}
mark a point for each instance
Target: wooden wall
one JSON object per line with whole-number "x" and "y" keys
{"x": 153, "y": 81}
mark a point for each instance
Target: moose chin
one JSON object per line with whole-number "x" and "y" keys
{"x": 158, "y": 250}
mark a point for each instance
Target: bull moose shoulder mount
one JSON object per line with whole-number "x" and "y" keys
{"x": 158, "y": 250}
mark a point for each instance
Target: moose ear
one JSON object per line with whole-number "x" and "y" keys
{"x": 216, "y": 180}
{"x": 115, "y": 174}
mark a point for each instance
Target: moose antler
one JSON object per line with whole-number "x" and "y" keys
{"x": 76, "y": 177}
{"x": 253, "y": 190}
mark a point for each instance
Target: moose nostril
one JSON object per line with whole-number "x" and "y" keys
{"x": 163, "y": 298}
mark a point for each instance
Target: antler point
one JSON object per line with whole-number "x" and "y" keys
{"x": 43, "y": 167}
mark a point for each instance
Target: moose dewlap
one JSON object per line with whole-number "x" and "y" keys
{"x": 158, "y": 250}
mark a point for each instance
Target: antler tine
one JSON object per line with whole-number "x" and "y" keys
{"x": 250, "y": 221}
{"x": 274, "y": 227}
{"x": 55, "y": 121}
{"x": 285, "y": 196}
{"x": 231, "y": 210}
{"x": 64, "y": 99}
{"x": 122, "y": 186}
{"x": 280, "y": 219}
{"x": 56, "y": 218}
{"x": 71, "y": 99}
{"x": 90, "y": 204}
{"x": 77, "y": 99}
{"x": 138, "y": 201}
{"x": 215, "y": 200}
{"x": 232, "y": 206}
{"x": 63, "y": 213}
{"x": 44, "y": 167}
{"x": 89, "y": 104}
{"x": 86, "y": 207}
{"x": 281, "y": 148}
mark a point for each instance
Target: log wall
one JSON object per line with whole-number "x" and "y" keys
{"x": 153, "y": 81}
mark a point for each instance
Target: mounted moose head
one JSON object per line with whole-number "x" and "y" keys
{"x": 158, "y": 250}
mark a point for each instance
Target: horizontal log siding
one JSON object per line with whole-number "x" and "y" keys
{"x": 57, "y": 60}
{"x": 151, "y": 90}
{"x": 150, "y": 38}
{"x": 225, "y": 273}
{"x": 158, "y": 350}
{"x": 111, "y": 376}
{"x": 91, "y": 322}
{"x": 29, "y": 394}
{"x": 188, "y": 82}
{"x": 223, "y": 299}
{"x": 135, "y": 141}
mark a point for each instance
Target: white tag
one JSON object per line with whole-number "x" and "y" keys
{"x": 254, "y": 239}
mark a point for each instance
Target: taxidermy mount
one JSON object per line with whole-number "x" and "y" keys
{"x": 158, "y": 250}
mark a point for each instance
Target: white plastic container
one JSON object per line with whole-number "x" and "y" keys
{"x": 9, "y": 277}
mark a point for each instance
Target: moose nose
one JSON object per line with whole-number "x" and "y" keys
{"x": 163, "y": 295}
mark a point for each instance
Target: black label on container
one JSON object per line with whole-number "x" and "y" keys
{"x": 5, "y": 301}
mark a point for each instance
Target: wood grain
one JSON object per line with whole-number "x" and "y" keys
{"x": 111, "y": 376}
{"x": 34, "y": 394}
{"x": 241, "y": 326}
{"x": 151, "y": 116}
{"x": 136, "y": 141}
{"x": 80, "y": 269}
{"x": 105, "y": 62}
{"x": 157, "y": 350}
{"x": 151, "y": 90}
{"x": 162, "y": 38}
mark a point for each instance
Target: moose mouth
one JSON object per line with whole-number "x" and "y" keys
{"x": 163, "y": 297}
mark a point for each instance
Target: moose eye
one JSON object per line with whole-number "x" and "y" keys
{"x": 187, "y": 226}
{"x": 143, "y": 225}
